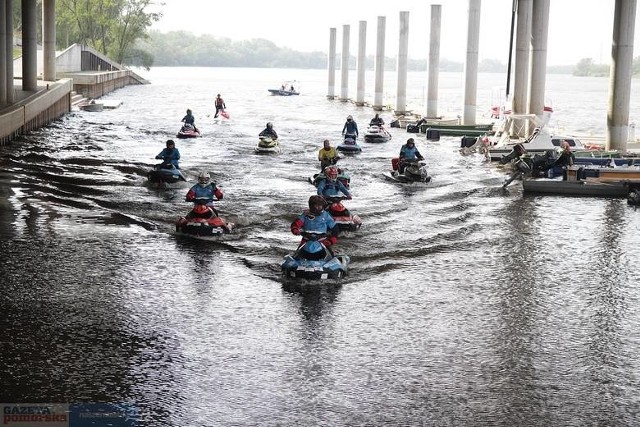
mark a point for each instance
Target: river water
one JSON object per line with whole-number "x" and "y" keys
{"x": 465, "y": 304}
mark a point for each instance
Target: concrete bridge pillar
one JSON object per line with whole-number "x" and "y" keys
{"x": 362, "y": 62}
{"x": 331, "y": 90}
{"x": 344, "y": 65}
{"x": 434, "y": 61}
{"x": 49, "y": 40}
{"x": 379, "y": 84}
{"x": 29, "y": 46}
{"x": 471, "y": 64}
{"x": 8, "y": 25}
{"x": 539, "y": 34}
{"x": 403, "y": 61}
{"x": 620, "y": 77}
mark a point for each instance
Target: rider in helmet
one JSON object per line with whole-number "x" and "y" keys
{"x": 204, "y": 191}
{"x": 190, "y": 120}
{"x": 269, "y": 131}
{"x": 376, "y": 121}
{"x": 331, "y": 186}
{"x": 327, "y": 155}
{"x": 170, "y": 155}
{"x": 408, "y": 154}
{"x": 350, "y": 127}
{"x": 317, "y": 220}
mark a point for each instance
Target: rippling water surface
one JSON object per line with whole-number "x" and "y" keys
{"x": 465, "y": 304}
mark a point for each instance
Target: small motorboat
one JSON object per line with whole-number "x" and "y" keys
{"x": 376, "y": 134}
{"x": 286, "y": 89}
{"x": 349, "y": 145}
{"x": 267, "y": 145}
{"x": 92, "y": 106}
{"x": 188, "y": 131}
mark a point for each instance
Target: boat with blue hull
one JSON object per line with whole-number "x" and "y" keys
{"x": 313, "y": 261}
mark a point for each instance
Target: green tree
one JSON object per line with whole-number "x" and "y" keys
{"x": 112, "y": 27}
{"x": 584, "y": 67}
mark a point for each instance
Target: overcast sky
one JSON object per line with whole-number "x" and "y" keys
{"x": 577, "y": 28}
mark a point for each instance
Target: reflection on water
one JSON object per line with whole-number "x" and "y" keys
{"x": 465, "y": 304}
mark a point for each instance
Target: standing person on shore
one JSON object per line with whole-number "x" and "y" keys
{"x": 220, "y": 106}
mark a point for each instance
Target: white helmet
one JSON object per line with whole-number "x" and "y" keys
{"x": 204, "y": 178}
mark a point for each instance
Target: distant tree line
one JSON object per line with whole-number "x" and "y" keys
{"x": 181, "y": 48}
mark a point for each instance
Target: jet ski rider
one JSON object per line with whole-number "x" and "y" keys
{"x": 170, "y": 155}
{"x": 408, "y": 153}
{"x": 330, "y": 186}
{"x": 204, "y": 191}
{"x": 316, "y": 220}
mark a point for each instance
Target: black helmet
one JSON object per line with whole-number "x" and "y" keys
{"x": 316, "y": 200}
{"x": 410, "y": 141}
{"x": 188, "y": 111}
{"x": 170, "y": 142}
{"x": 269, "y": 125}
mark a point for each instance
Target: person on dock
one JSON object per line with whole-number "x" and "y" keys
{"x": 220, "y": 105}
{"x": 350, "y": 127}
{"x": 408, "y": 153}
{"x": 269, "y": 131}
{"x": 316, "y": 220}
{"x": 189, "y": 119}
{"x": 566, "y": 157}
{"x": 169, "y": 155}
{"x": 327, "y": 155}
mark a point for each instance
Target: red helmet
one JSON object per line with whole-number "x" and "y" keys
{"x": 201, "y": 209}
{"x": 331, "y": 172}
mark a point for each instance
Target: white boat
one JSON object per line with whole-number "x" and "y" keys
{"x": 91, "y": 106}
{"x": 525, "y": 129}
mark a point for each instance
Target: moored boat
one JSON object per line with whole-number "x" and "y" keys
{"x": 459, "y": 130}
{"x": 92, "y": 106}
{"x": 286, "y": 89}
{"x": 594, "y": 181}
